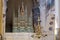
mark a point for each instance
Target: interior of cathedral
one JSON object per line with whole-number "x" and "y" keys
{"x": 20, "y": 18}
{"x": 29, "y": 20}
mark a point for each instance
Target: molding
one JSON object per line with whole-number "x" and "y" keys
{"x": 1, "y": 17}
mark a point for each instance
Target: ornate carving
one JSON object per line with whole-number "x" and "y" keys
{"x": 22, "y": 9}
{"x": 38, "y": 29}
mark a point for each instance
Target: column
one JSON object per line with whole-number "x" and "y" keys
{"x": 57, "y": 18}
{"x": 1, "y": 27}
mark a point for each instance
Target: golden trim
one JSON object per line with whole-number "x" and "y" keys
{"x": 1, "y": 17}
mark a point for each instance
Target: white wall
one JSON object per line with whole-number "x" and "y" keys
{"x": 57, "y": 14}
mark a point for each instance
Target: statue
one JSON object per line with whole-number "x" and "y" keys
{"x": 38, "y": 29}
